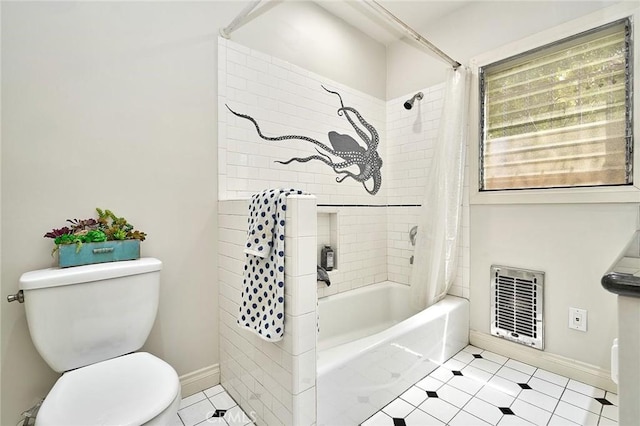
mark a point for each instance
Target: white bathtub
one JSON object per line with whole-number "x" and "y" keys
{"x": 372, "y": 347}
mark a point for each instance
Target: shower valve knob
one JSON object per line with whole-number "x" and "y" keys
{"x": 19, "y": 296}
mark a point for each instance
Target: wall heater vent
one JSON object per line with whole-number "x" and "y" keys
{"x": 516, "y": 305}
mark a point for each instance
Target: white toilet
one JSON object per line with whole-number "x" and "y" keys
{"x": 87, "y": 322}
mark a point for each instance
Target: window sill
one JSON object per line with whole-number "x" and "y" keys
{"x": 621, "y": 194}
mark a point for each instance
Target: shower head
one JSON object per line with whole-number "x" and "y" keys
{"x": 409, "y": 104}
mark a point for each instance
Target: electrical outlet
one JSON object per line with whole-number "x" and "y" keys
{"x": 578, "y": 319}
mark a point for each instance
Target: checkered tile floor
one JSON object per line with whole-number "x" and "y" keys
{"x": 213, "y": 406}
{"x": 473, "y": 388}
{"x": 479, "y": 387}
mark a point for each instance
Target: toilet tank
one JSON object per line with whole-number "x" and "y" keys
{"x": 86, "y": 314}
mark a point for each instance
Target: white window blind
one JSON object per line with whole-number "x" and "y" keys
{"x": 559, "y": 116}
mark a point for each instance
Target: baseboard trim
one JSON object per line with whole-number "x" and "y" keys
{"x": 573, "y": 369}
{"x": 199, "y": 380}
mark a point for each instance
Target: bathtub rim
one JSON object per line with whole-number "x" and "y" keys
{"x": 332, "y": 358}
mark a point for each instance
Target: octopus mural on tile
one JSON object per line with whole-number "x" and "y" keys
{"x": 343, "y": 147}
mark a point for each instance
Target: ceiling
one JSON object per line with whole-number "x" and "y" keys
{"x": 416, "y": 14}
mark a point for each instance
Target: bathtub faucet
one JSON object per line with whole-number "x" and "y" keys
{"x": 323, "y": 275}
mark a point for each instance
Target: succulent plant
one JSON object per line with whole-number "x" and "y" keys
{"x": 107, "y": 227}
{"x": 117, "y": 228}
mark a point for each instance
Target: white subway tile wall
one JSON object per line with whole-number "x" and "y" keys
{"x": 275, "y": 382}
{"x": 373, "y": 242}
{"x": 361, "y": 251}
{"x": 411, "y": 137}
{"x": 285, "y": 100}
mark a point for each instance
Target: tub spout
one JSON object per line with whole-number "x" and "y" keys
{"x": 323, "y": 276}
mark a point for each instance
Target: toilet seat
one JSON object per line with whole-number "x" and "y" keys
{"x": 128, "y": 390}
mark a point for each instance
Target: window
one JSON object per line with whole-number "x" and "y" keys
{"x": 559, "y": 116}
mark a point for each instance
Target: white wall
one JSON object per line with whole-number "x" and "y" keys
{"x": 115, "y": 105}
{"x": 111, "y": 105}
{"x": 472, "y": 30}
{"x": 314, "y": 39}
{"x": 573, "y": 243}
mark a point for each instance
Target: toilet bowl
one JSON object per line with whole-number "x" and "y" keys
{"x": 87, "y": 322}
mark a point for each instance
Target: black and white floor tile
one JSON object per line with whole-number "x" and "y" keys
{"x": 213, "y": 406}
{"x": 474, "y": 388}
{"x": 477, "y": 388}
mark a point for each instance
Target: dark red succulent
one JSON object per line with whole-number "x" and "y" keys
{"x": 55, "y": 233}
{"x": 82, "y": 224}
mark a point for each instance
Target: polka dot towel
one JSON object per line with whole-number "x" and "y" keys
{"x": 262, "y": 306}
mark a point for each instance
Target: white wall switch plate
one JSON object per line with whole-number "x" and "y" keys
{"x": 578, "y": 319}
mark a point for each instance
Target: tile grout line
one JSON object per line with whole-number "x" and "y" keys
{"x": 207, "y": 398}
{"x": 517, "y": 396}
{"x": 557, "y": 400}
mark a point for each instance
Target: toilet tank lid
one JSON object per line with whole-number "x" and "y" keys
{"x": 55, "y": 277}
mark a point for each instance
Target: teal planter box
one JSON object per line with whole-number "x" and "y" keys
{"x": 108, "y": 251}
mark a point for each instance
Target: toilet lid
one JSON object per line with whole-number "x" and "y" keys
{"x": 128, "y": 390}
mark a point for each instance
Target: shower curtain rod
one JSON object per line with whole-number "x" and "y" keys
{"x": 239, "y": 20}
{"x": 374, "y": 5}
{"x": 382, "y": 11}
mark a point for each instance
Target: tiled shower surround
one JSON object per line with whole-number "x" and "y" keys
{"x": 411, "y": 137}
{"x": 361, "y": 250}
{"x": 371, "y": 235}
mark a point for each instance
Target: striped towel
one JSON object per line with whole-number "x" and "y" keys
{"x": 262, "y": 306}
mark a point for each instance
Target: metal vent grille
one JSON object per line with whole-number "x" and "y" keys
{"x": 516, "y": 305}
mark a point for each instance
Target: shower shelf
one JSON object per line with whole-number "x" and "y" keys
{"x": 328, "y": 225}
